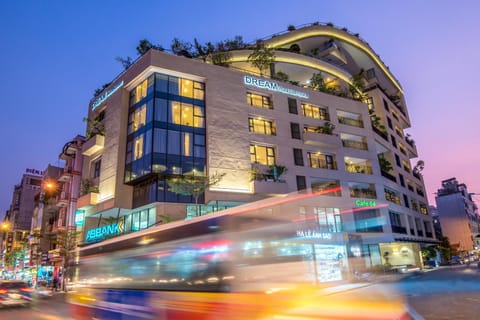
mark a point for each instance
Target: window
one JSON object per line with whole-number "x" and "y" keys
{"x": 298, "y": 157}
{"x": 326, "y": 187}
{"x": 397, "y": 161}
{"x": 353, "y": 141}
{"x": 295, "y": 131}
{"x": 258, "y": 100}
{"x": 264, "y": 155}
{"x": 362, "y": 190}
{"x": 357, "y": 165}
{"x": 258, "y": 125}
{"x": 350, "y": 119}
{"x": 414, "y": 204}
{"x": 301, "y": 183}
{"x": 322, "y": 161}
{"x": 402, "y": 148}
{"x": 402, "y": 180}
{"x": 141, "y": 91}
{"x": 396, "y": 222}
{"x": 405, "y": 200}
{"x": 389, "y": 122}
{"x": 137, "y": 118}
{"x": 385, "y": 105}
{"x": 370, "y": 74}
{"x": 423, "y": 208}
{"x": 292, "y": 106}
{"x": 370, "y": 104}
{"x": 186, "y": 114}
{"x": 96, "y": 165}
{"x": 138, "y": 147}
{"x": 394, "y": 141}
{"x": 315, "y": 112}
{"x": 406, "y": 165}
{"x": 368, "y": 221}
{"x": 392, "y": 196}
{"x": 329, "y": 219}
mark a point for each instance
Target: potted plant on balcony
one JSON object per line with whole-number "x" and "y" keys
{"x": 261, "y": 57}
{"x": 276, "y": 171}
{"x": 327, "y": 128}
{"x": 385, "y": 165}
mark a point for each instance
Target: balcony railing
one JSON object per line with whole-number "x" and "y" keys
{"x": 358, "y": 168}
{"x": 380, "y": 133}
{"x": 363, "y": 193}
{"x": 350, "y": 122}
{"x": 389, "y": 176}
{"x": 355, "y": 144}
{"x": 321, "y": 140}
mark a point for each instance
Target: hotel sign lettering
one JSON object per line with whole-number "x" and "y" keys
{"x": 100, "y": 233}
{"x": 272, "y": 86}
{"x": 105, "y": 95}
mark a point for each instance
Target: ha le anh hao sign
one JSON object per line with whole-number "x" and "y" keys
{"x": 272, "y": 86}
{"x": 100, "y": 233}
{"x": 105, "y": 95}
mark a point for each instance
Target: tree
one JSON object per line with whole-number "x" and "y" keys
{"x": 144, "y": 45}
{"x": 261, "y": 57}
{"x": 66, "y": 243}
{"x": 316, "y": 82}
{"x": 419, "y": 167}
{"x": 99, "y": 90}
{"x": 357, "y": 86}
{"x": 385, "y": 165}
{"x": 193, "y": 185}
{"x": 181, "y": 48}
{"x": 445, "y": 249}
{"x": 126, "y": 62}
{"x": 94, "y": 127}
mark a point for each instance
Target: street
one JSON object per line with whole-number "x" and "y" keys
{"x": 451, "y": 292}
{"x": 446, "y": 293}
{"x": 52, "y": 308}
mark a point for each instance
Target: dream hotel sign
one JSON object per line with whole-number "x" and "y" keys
{"x": 272, "y": 86}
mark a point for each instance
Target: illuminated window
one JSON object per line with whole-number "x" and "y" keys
{"x": 198, "y": 90}
{"x": 141, "y": 91}
{"x": 322, "y": 161}
{"x": 362, "y": 190}
{"x": 258, "y": 125}
{"x": 392, "y": 196}
{"x": 186, "y": 88}
{"x": 138, "y": 147}
{"x": 137, "y": 118}
{"x": 326, "y": 187}
{"x": 258, "y": 100}
{"x": 187, "y": 144}
{"x": 329, "y": 219}
{"x": 262, "y": 155}
{"x": 186, "y": 114}
{"x": 358, "y": 165}
{"x": 311, "y": 111}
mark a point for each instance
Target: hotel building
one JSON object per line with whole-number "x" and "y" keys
{"x": 169, "y": 115}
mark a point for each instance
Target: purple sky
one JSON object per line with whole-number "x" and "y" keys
{"x": 53, "y": 54}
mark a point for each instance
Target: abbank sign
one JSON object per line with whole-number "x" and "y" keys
{"x": 100, "y": 233}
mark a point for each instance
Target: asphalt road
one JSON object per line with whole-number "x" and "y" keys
{"x": 444, "y": 293}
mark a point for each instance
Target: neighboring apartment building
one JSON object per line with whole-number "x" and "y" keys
{"x": 458, "y": 215}
{"x": 168, "y": 115}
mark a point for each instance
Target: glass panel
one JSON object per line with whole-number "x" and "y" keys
{"x": 175, "y": 112}
{"x": 138, "y": 147}
{"x": 139, "y": 118}
{"x": 173, "y": 85}
{"x": 187, "y": 144}
{"x": 173, "y": 142}
{"x": 161, "y": 110}
{"x": 160, "y": 140}
{"x": 187, "y": 114}
{"x": 161, "y": 83}
{"x": 135, "y": 221}
{"x": 199, "y": 117}
{"x": 199, "y": 92}
{"x": 151, "y": 217}
{"x": 148, "y": 142}
{"x": 186, "y": 88}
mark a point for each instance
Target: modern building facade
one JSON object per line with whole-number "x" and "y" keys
{"x": 458, "y": 215}
{"x": 326, "y": 116}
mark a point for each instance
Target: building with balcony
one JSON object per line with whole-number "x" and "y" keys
{"x": 324, "y": 107}
{"x": 458, "y": 215}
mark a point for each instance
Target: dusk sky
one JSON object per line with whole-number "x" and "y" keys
{"x": 54, "y": 54}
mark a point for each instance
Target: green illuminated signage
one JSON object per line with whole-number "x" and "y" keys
{"x": 365, "y": 203}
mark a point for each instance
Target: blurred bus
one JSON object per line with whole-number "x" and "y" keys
{"x": 257, "y": 261}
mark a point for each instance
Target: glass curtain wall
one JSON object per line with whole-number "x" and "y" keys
{"x": 166, "y": 136}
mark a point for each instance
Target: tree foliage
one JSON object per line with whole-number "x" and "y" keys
{"x": 66, "y": 242}
{"x": 261, "y": 57}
